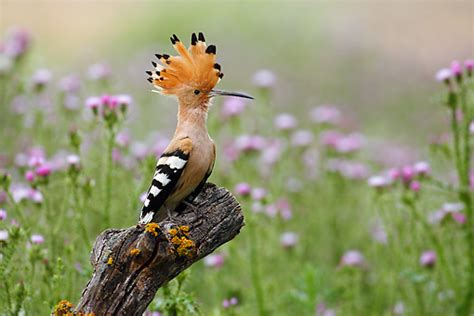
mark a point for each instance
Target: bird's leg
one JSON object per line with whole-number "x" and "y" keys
{"x": 193, "y": 208}
{"x": 170, "y": 216}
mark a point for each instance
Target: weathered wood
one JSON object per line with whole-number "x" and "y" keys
{"x": 124, "y": 282}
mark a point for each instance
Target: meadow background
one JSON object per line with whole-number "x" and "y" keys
{"x": 342, "y": 164}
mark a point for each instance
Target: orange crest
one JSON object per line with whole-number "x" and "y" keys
{"x": 193, "y": 68}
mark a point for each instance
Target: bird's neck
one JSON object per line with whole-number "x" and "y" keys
{"x": 191, "y": 120}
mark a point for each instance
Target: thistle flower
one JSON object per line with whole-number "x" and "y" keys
{"x": 214, "y": 261}
{"x": 232, "y": 107}
{"x": 249, "y": 143}
{"x": 243, "y": 189}
{"x": 325, "y": 114}
{"x": 415, "y": 186}
{"x": 227, "y": 303}
{"x": 3, "y": 235}
{"x": 352, "y": 258}
{"x": 3, "y": 215}
{"x": 93, "y": 103}
{"x": 41, "y": 78}
{"x": 443, "y": 75}
{"x": 30, "y": 176}
{"x": 469, "y": 65}
{"x": 99, "y": 71}
{"x": 43, "y": 170}
{"x": 428, "y": 259}
{"x": 70, "y": 84}
{"x": 378, "y": 182}
{"x": 73, "y": 160}
{"x": 258, "y": 194}
{"x": 422, "y": 168}
{"x": 264, "y": 79}
{"x": 456, "y": 69}
{"x": 288, "y": 240}
{"x": 302, "y": 138}
{"x": 122, "y": 139}
{"x": 285, "y": 122}
{"x": 37, "y": 239}
{"x": 17, "y": 43}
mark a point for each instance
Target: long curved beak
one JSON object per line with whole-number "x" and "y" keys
{"x": 233, "y": 94}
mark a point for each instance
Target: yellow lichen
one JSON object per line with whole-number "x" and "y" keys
{"x": 186, "y": 248}
{"x": 110, "y": 261}
{"x": 135, "y": 252}
{"x": 64, "y": 307}
{"x": 173, "y": 231}
{"x": 176, "y": 240}
{"x": 151, "y": 228}
{"x": 184, "y": 228}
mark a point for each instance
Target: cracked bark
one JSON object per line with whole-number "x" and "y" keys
{"x": 125, "y": 284}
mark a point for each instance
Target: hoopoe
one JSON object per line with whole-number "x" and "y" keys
{"x": 187, "y": 162}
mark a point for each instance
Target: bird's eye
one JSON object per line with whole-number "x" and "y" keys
{"x": 196, "y": 92}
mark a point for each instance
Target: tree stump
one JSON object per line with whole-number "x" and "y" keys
{"x": 131, "y": 264}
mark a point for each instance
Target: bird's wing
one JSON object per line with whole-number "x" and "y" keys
{"x": 168, "y": 170}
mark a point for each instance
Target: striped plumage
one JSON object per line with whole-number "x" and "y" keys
{"x": 188, "y": 160}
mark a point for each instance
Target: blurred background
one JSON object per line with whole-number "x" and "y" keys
{"x": 376, "y": 59}
{"x": 368, "y": 66}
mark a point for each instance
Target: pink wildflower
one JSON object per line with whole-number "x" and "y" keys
{"x": 428, "y": 259}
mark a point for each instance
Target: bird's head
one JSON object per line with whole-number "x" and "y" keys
{"x": 192, "y": 75}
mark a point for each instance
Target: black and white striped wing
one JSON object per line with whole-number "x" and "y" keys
{"x": 168, "y": 170}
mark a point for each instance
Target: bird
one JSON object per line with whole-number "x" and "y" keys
{"x": 188, "y": 160}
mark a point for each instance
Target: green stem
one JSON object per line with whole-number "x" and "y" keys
{"x": 254, "y": 268}
{"x": 465, "y": 196}
{"x": 436, "y": 242}
{"x": 108, "y": 175}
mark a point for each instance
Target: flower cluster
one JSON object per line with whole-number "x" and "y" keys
{"x": 111, "y": 108}
{"x": 152, "y": 228}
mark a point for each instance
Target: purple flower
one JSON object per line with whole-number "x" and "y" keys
{"x": 350, "y": 143}
{"x": 41, "y": 78}
{"x": 378, "y": 233}
{"x": 17, "y": 43}
{"x": 3, "y": 215}
{"x": 30, "y": 176}
{"x": 301, "y": 138}
{"x": 285, "y": 121}
{"x": 458, "y": 217}
{"x": 123, "y": 100}
{"x": 415, "y": 186}
{"x": 428, "y": 259}
{"x": 327, "y": 114}
{"x": 443, "y": 75}
{"x": 214, "y": 261}
{"x": 70, "y": 84}
{"x": 288, "y": 240}
{"x": 99, "y": 71}
{"x": 43, "y": 170}
{"x": 248, "y": 143}
{"x": 232, "y": 107}
{"x": 264, "y": 79}
{"x": 71, "y": 102}
{"x": 122, "y": 139}
{"x": 399, "y": 308}
{"x": 139, "y": 150}
{"x": 352, "y": 258}
{"x": 227, "y": 303}
{"x": 469, "y": 65}
{"x": 37, "y": 239}
{"x": 258, "y": 194}
{"x": 407, "y": 174}
{"x": 109, "y": 101}
{"x": 73, "y": 160}
{"x": 422, "y": 168}
{"x": 378, "y": 182}
{"x": 93, "y": 103}
{"x": 456, "y": 68}
{"x": 36, "y": 157}
{"x": 3, "y": 235}
{"x": 243, "y": 189}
